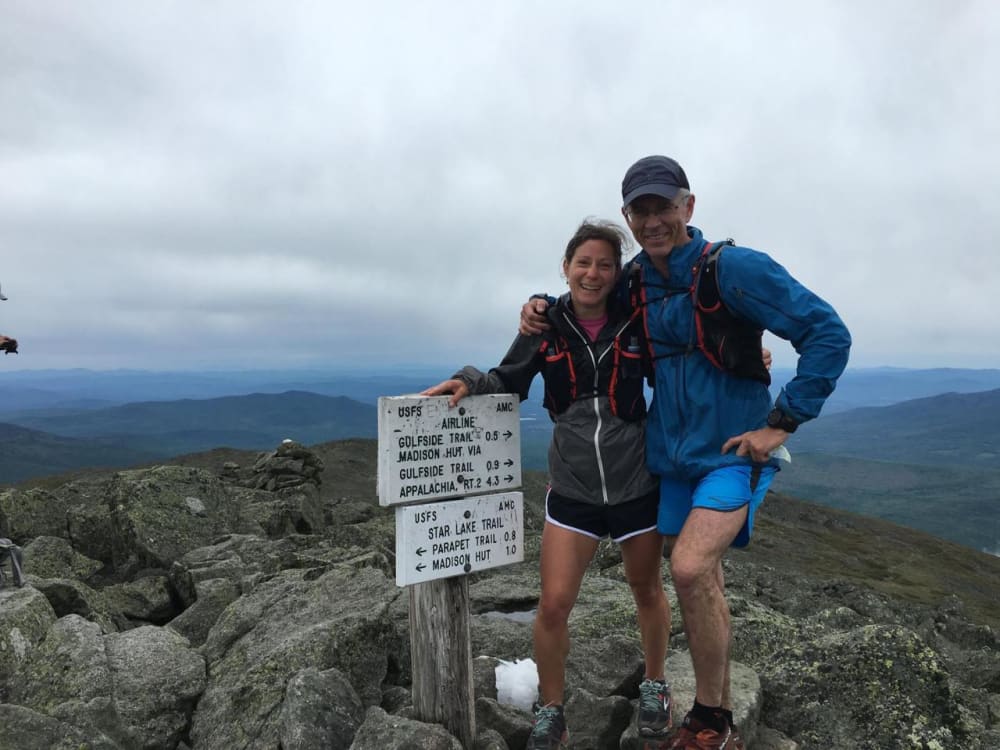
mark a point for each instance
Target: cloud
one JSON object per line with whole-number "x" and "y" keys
{"x": 389, "y": 182}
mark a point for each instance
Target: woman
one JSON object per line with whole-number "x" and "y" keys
{"x": 593, "y": 362}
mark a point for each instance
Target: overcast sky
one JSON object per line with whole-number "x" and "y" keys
{"x": 190, "y": 185}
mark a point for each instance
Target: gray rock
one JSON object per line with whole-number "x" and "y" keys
{"x": 71, "y": 597}
{"x": 195, "y": 622}
{"x": 54, "y": 557}
{"x": 25, "y": 618}
{"x": 68, "y": 678}
{"x": 152, "y": 525}
{"x": 484, "y": 677}
{"x": 288, "y": 623}
{"x": 596, "y": 723}
{"x": 320, "y": 710}
{"x": 24, "y": 729}
{"x": 490, "y": 739}
{"x": 381, "y": 730}
{"x": 395, "y": 698}
{"x": 157, "y": 680}
{"x": 149, "y": 599}
{"x": 512, "y": 724}
{"x": 31, "y": 513}
{"x": 912, "y": 699}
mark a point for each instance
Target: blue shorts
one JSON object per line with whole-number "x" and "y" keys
{"x": 621, "y": 521}
{"x": 725, "y": 489}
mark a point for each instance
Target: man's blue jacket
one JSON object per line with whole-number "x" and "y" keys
{"x": 696, "y": 406}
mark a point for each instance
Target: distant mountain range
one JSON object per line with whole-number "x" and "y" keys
{"x": 135, "y": 433}
{"x": 931, "y": 462}
{"x": 883, "y": 386}
{"x": 959, "y": 429}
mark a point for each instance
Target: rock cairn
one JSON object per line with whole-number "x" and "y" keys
{"x": 291, "y": 464}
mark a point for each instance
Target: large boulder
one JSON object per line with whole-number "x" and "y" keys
{"x": 158, "y": 679}
{"x": 320, "y": 710}
{"x": 289, "y": 622}
{"x": 870, "y": 686}
{"x": 24, "y": 729}
{"x": 135, "y": 689}
{"x": 30, "y": 513}
{"x": 25, "y": 618}
{"x": 54, "y": 557}
{"x": 159, "y": 514}
{"x": 69, "y": 596}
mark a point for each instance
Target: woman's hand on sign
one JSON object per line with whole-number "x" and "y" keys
{"x": 457, "y": 388}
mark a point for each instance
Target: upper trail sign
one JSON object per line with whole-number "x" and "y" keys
{"x": 428, "y": 450}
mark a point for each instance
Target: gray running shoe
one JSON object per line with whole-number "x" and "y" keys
{"x": 655, "y": 708}
{"x": 548, "y": 731}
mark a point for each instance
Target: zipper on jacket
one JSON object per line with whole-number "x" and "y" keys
{"x": 595, "y": 360}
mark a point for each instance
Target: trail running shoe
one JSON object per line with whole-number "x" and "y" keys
{"x": 694, "y": 735}
{"x": 655, "y": 708}
{"x": 548, "y": 731}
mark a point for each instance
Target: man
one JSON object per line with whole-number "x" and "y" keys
{"x": 712, "y": 428}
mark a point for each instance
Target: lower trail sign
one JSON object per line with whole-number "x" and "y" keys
{"x": 436, "y": 540}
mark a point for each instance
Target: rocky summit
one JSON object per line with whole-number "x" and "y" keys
{"x": 238, "y": 600}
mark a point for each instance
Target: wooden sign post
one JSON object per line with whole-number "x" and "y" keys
{"x": 430, "y": 451}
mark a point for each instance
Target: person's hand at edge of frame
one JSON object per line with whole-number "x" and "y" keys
{"x": 8, "y": 345}
{"x": 533, "y": 320}
{"x": 457, "y": 388}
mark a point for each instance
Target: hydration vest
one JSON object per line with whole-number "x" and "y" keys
{"x": 621, "y": 367}
{"x": 728, "y": 342}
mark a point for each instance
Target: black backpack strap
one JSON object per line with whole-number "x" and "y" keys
{"x": 728, "y": 341}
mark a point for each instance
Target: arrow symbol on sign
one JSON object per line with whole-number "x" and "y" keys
{"x": 420, "y": 551}
{"x": 508, "y": 435}
{"x": 509, "y": 477}
{"x": 421, "y": 567}
{"x": 509, "y": 462}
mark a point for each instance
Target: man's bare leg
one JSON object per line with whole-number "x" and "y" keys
{"x": 696, "y": 569}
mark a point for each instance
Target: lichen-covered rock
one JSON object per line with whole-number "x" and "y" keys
{"x": 54, "y": 557}
{"x": 134, "y": 689}
{"x": 320, "y": 710}
{"x": 195, "y": 622}
{"x": 596, "y": 723}
{"x": 149, "y": 599}
{"x": 286, "y": 623}
{"x": 67, "y": 677}
{"x": 31, "y": 513}
{"x": 154, "y": 521}
{"x": 24, "y": 729}
{"x": 71, "y": 597}
{"x": 25, "y": 618}
{"x": 381, "y": 730}
{"x": 157, "y": 680}
{"x": 874, "y": 687}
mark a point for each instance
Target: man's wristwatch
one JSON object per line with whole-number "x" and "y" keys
{"x": 778, "y": 418}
